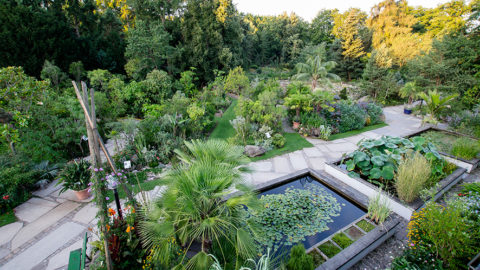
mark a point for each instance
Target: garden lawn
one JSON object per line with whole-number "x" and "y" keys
{"x": 224, "y": 130}
{"x": 294, "y": 142}
{"x": 7, "y": 218}
{"x": 355, "y": 132}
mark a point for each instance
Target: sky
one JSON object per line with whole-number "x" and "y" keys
{"x": 307, "y": 9}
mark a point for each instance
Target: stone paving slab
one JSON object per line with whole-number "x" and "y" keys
{"x": 262, "y": 166}
{"x": 33, "y": 209}
{"x": 52, "y": 187}
{"x": 4, "y": 252}
{"x": 298, "y": 161}
{"x": 313, "y": 152}
{"x": 317, "y": 163}
{"x": 61, "y": 259}
{"x": 28, "y": 232}
{"x": 45, "y": 247}
{"x": 342, "y": 147}
{"x": 9, "y": 231}
{"x": 86, "y": 214}
{"x": 282, "y": 164}
{"x": 262, "y": 177}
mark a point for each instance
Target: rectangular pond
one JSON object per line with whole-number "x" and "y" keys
{"x": 348, "y": 210}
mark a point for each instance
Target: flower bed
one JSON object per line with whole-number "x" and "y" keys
{"x": 459, "y": 149}
{"x": 375, "y": 165}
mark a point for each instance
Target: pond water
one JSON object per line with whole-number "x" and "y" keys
{"x": 348, "y": 213}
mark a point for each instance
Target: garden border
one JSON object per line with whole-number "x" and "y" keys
{"x": 361, "y": 247}
{"x": 403, "y": 209}
{"x": 469, "y": 165}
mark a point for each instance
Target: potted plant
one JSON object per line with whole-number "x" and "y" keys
{"x": 76, "y": 176}
{"x": 296, "y": 122}
{"x": 410, "y": 91}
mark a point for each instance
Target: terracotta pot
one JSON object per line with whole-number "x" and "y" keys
{"x": 82, "y": 194}
{"x": 296, "y": 125}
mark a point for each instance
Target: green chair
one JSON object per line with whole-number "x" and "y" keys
{"x": 78, "y": 257}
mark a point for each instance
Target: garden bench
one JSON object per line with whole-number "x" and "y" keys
{"x": 77, "y": 258}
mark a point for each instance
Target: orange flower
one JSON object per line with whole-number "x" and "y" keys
{"x": 133, "y": 210}
{"x": 129, "y": 228}
{"x": 108, "y": 227}
{"x": 111, "y": 212}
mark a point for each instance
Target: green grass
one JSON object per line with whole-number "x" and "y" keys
{"x": 329, "y": 249}
{"x": 7, "y": 218}
{"x": 342, "y": 240}
{"x": 294, "y": 142}
{"x": 365, "y": 226}
{"x": 132, "y": 180}
{"x": 224, "y": 130}
{"x": 355, "y": 132}
{"x": 317, "y": 258}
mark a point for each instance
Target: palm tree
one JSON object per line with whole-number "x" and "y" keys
{"x": 315, "y": 70}
{"x": 194, "y": 208}
{"x": 435, "y": 103}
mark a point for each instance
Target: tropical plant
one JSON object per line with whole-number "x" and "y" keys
{"x": 299, "y": 259}
{"x": 435, "y": 102}
{"x": 410, "y": 90}
{"x": 75, "y": 176}
{"x": 264, "y": 263}
{"x": 412, "y": 176}
{"x": 315, "y": 70}
{"x": 379, "y": 208}
{"x": 194, "y": 209}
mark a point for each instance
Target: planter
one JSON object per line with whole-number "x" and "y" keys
{"x": 407, "y": 111}
{"x": 296, "y": 125}
{"x": 401, "y": 208}
{"x": 469, "y": 165}
{"x": 82, "y": 194}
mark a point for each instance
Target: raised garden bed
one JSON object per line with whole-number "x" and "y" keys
{"x": 444, "y": 140}
{"x": 403, "y": 209}
{"x": 350, "y": 235}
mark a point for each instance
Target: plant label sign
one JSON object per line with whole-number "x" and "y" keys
{"x": 127, "y": 164}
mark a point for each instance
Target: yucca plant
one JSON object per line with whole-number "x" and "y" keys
{"x": 194, "y": 209}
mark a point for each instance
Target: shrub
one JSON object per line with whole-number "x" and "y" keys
{"x": 237, "y": 82}
{"x": 412, "y": 176}
{"x": 444, "y": 232}
{"x": 465, "y": 148}
{"x": 378, "y": 208}
{"x": 242, "y": 128}
{"x": 351, "y": 116}
{"x": 299, "y": 259}
{"x": 278, "y": 140}
{"x": 375, "y": 113}
{"x": 75, "y": 176}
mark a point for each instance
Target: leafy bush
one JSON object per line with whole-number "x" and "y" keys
{"x": 299, "y": 259}
{"x": 445, "y": 233}
{"x": 378, "y": 208}
{"x": 278, "y": 140}
{"x": 75, "y": 176}
{"x": 242, "y": 129}
{"x": 412, "y": 176}
{"x": 237, "y": 82}
{"x": 375, "y": 114}
{"x": 287, "y": 218}
{"x": 351, "y": 116}
{"x": 464, "y": 148}
{"x": 18, "y": 178}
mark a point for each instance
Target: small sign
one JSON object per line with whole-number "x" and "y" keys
{"x": 127, "y": 164}
{"x": 268, "y": 135}
{"x": 84, "y": 138}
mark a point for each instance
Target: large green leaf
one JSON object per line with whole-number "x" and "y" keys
{"x": 377, "y": 160}
{"x": 350, "y": 165}
{"x": 388, "y": 172}
{"x": 375, "y": 173}
{"x": 360, "y": 156}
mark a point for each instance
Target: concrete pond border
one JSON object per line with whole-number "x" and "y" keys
{"x": 361, "y": 247}
{"x": 469, "y": 165}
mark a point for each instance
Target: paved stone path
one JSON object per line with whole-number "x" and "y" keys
{"x": 50, "y": 225}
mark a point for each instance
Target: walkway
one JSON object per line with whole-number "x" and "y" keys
{"x": 51, "y": 225}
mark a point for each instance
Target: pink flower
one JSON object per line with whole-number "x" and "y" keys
{"x": 412, "y": 244}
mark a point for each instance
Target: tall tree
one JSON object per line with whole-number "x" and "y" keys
{"x": 321, "y": 26}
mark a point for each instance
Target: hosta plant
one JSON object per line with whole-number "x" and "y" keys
{"x": 377, "y": 160}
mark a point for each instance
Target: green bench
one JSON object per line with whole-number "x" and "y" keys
{"x": 77, "y": 258}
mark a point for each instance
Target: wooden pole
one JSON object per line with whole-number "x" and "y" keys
{"x": 102, "y": 145}
{"x": 95, "y": 161}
